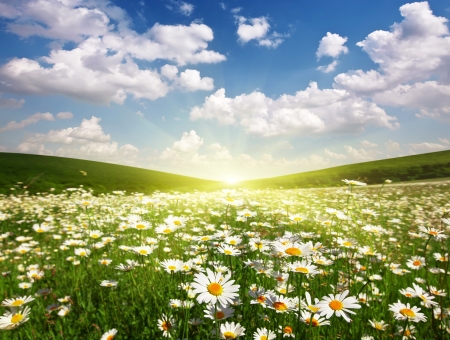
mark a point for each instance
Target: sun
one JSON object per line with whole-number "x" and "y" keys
{"x": 231, "y": 180}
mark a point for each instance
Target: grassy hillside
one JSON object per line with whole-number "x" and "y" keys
{"x": 409, "y": 168}
{"x": 40, "y": 173}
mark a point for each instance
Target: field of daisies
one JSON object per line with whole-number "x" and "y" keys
{"x": 356, "y": 262}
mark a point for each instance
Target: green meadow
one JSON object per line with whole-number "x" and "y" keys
{"x": 40, "y": 173}
{"x": 187, "y": 260}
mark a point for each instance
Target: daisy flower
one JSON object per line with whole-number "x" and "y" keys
{"x": 109, "y": 335}
{"x": 218, "y": 313}
{"x": 338, "y": 304}
{"x": 64, "y": 310}
{"x": 108, "y": 283}
{"x": 292, "y": 248}
{"x": 17, "y": 302}
{"x": 264, "y": 334}
{"x": 214, "y": 288}
{"x": 436, "y": 233}
{"x": 288, "y": 331}
{"x": 143, "y": 250}
{"x": 308, "y": 318}
{"x": 11, "y": 320}
{"x": 280, "y": 304}
{"x": 141, "y": 225}
{"x": 172, "y": 266}
{"x": 405, "y": 312}
{"x": 231, "y": 330}
{"x": 166, "y": 324}
{"x": 416, "y": 262}
{"x": 82, "y": 252}
{"x": 303, "y": 267}
{"x": 379, "y": 325}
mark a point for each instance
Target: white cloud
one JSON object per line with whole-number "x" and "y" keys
{"x": 101, "y": 68}
{"x": 11, "y": 103}
{"x": 257, "y": 29}
{"x": 169, "y": 71}
{"x": 309, "y": 112}
{"x": 220, "y": 152}
{"x": 191, "y": 81}
{"x": 140, "y": 114}
{"x": 236, "y": 10}
{"x": 360, "y": 154}
{"x": 329, "y": 68}
{"x": 284, "y": 145}
{"x": 427, "y": 147}
{"x": 331, "y": 45}
{"x": 367, "y": 144}
{"x": 33, "y": 119}
{"x": 413, "y": 59}
{"x": 185, "y": 8}
{"x": 189, "y": 142}
{"x": 3, "y": 149}
{"x": 64, "y": 115}
{"x": 392, "y": 146}
{"x": 334, "y": 154}
{"x": 34, "y": 148}
{"x": 444, "y": 141}
{"x": 222, "y": 5}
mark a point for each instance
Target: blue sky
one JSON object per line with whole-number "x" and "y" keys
{"x": 225, "y": 89}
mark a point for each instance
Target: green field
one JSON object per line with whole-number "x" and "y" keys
{"x": 40, "y": 173}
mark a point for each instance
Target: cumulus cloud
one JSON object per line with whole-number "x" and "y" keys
{"x": 329, "y": 68}
{"x": 11, "y": 103}
{"x": 427, "y": 147}
{"x": 64, "y": 115}
{"x": 140, "y": 114}
{"x": 101, "y": 68}
{"x": 257, "y": 29}
{"x": 33, "y": 119}
{"x": 309, "y": 112}
{"x": 392, "y": 146}
{"x": 367, "y": 144}
{"x": 86, "y": 141}
{"x": 360, "y": 154}
{"x": 332, "y": 45}
{"x": 334, "y": 154}
{"x": 414, "y": 63}
{"x": 191, "y": 81}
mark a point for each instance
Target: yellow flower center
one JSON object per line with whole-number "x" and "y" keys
{"x": 302, "y": 270}
{"x": 280, "y": 306}
{"x": 220, "y": 315}
{"x": 17, "y": 303}
{"x": 417, "y": 263}
{"x": 228, "y": 252}
{"x": 166, "y": 325}
{"x": 95, "y": 236}
{"x": 16, "y": 318}
{"x": 171, "y": 267}
{"x": 229, "y": 335}
{"x": 205, "y": 238}
{"x": 313, "y": 322}
{"x": 287, "y": 330}
{"x": 143, "y": 252}
{"x": 336, "y": 305}
{"x": 40, "y": 230}
{"x": 215, "y": 289}
{"x": 297, "y": 219}
{"x": 434, "y": 233}
{"x": 347, "y": 244}
{"x": 263, "y": 337}
{"x": 293, "y": 251}
{"x": 110, "y": 337}
{"x": 379, "y": 327}
{"x": 233, "y": 242}
{"x": 229, "y": 199}
{"x": 140, "y": 226}
{"x": 407, "y": 312}
{"x": 167, "y": 231}
{"x": 177, "y": 222}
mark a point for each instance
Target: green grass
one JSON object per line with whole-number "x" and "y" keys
{"x": 410, "y": 168}
{"x": 40, "y": 173}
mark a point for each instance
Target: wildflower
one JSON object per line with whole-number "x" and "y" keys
{"x": 280, "y": 304}
{"x": 337, "y": 304}
{"x": 436, "y": 233}
{"x": 379, "y": 325}
{"x": 416, "y": 262}
{"x": 353, "y": 182}
{"x": 25, "y": 285}
{"x": 406, "y": 333}
{"x": 42, "y": 228}
{"x": 12, "y": 320}
{"x": 292, "y": 249}
{"x": 405, "y": 312}
{"x": 64, "y": 310}
{"x": 288, "y": 331}
{"x": 82, "y": 252}
{"x": 218, "y": 313}
{"x": 143, "y": 250}
{"x": 141, "y": 225}
{"x": 308, "y": 318}
{"x": 17, "y": 302}
{"x": 426, "y": 298}
{"x": 109, "y": 335}
{"x": 263, "y": 334}
{"x": 172, "y": 266}
{"x": 214, "y": 288}
{"x": 108, "y": 283}
{"x": 308, "y": 303}
{"x": 303, "y": 267}
{"x": 105, "y": 262}
{"x": 166, "y": 324}
{"x": 231, "y": 330}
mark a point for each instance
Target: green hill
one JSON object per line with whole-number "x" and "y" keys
{"x": 409, "y": 168}
{"x": 40, "y": 173}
